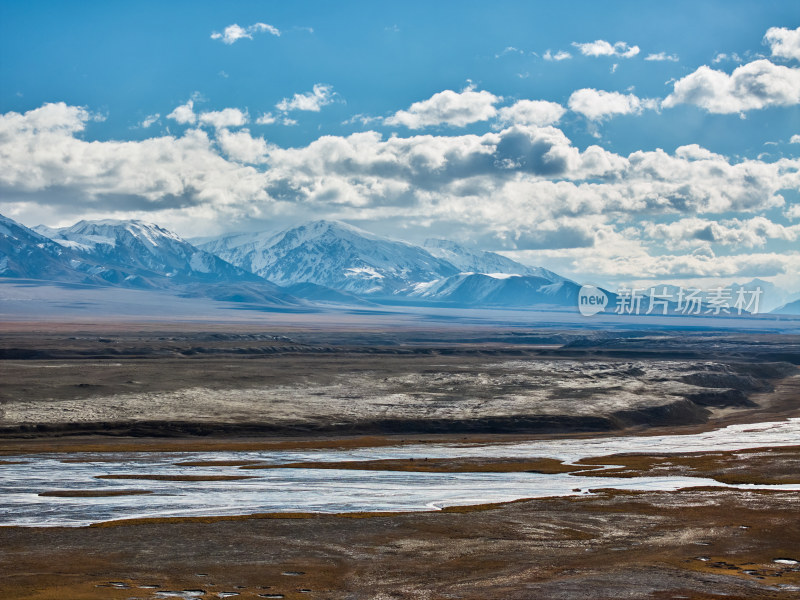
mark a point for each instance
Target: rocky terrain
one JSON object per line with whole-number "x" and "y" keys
{"x": 196, "y": 383}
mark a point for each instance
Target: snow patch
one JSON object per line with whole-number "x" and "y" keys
{"x": 367, "y": 272}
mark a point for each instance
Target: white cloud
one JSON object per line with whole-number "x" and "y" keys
{"x": 241, "y": 146}
{"x": 527, "y": 185}
{"x": 532, "y": 112}
{"x": 149, "y": 175}
{"x": 604, "y": 48}
{"x": 795, "y": 139}
{"x": 598, "y": 104}
{"x": 750, "y": 233}
{"x": 509, "y": 50}
{"x": 662, "y": 56}
{"x": 184, "y": 114}
{"x": 560, "y": 55}
{"x": 361, "y": 119}
{"x": 783, "y": 42}
{"x": 722, "y": 56}
{"x": 645, "y": 266}
{"x": 756, "y": 85}
{"x": 529, "y": 172}
{"x": 457, "y": 109}
{"x": 266, "y": 119}
{"x": 227, "y": 117}
{"x": 149, "y": 120}
{"x": 233, "y": 33}
{"x": 321, "y": 95}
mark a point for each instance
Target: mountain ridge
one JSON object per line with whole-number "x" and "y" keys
{"x": 343, "y": 257}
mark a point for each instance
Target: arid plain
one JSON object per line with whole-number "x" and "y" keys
{"x": 84, "y": 392}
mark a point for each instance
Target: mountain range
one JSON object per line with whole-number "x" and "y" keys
{"x": 316, "y": 262}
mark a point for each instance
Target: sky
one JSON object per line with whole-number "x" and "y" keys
{"x": 610, "y": 142}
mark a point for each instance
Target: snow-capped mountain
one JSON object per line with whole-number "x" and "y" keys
{"x": 26, "y": 254}
{"x": 128, "y": 254}
{"x": 479, "y": 289}
{"x": 334, "y": 255}
{"x": 146, "y": 252}
{"x": 346, "y": 258}
{"x": 479, "y": 261}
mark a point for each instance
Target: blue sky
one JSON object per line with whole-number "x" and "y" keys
{"x": 624, "y": 141}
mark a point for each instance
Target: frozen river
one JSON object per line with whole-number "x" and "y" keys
{"x": 24, "y": 478}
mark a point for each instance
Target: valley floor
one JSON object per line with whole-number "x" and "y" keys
{"x": 69, "y": 389}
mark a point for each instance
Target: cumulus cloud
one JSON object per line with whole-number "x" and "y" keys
{"x": 526, "y": 185}
{"x": 266, "y": 119}
{"x": 756, "y": 85}
{"x": 43, "y": 148}
{"x": 783, "y": 42}
{"x": 596, "y": 105}
{"x": 321, "y": 95}
{"x": 750, "y": 233}
{"x": 560, "y": 55}
{"x": 152, "y": 174}
{"x": 604, "y": 48}
{"x": 227, "y": 117}
{"x": 662, "y": 56}
{"x": 241, "y": 146}
{"x": 233, "y": 33}
{"x": 694, "y": 265}
{"x": 532, "y": 112}
{"x": 795, "y": 139}
{"x": 184, "y": 114}
{"x": 457, "y": 109}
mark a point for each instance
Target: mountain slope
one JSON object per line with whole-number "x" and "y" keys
{"x": 334, "y": 255}
{"x": 479, "y": 261}
{"x": 146, "y": 250}
{"x": 26, "y": 254}
{"x": 135, "y": 254}
{"x": 478, "y": 289}
{"x": 792, "y": 308}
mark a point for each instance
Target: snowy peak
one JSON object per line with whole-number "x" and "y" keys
{"x": 95, "y": 235}
{"x": 144, "y": 250}
{"x": 485, "y": 290}
{"x": 334, "y": 255}
{"x": 343, "y": 257}
{"x": 467, "y": 260}
{"x": 27, "y": 254}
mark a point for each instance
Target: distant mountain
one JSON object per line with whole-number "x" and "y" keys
{"x": 128, "y": 254}
{"x": 146, "y": 252}
{"x": 792, "y": 308}
{"x": 26, "y": 254}
{"x": 326, "y": 295}
{"x": 479, "y": 261}
{"x": 477, "y": 289}
{"x": 334, "y": 255}
{"x": 771, "y": 296}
